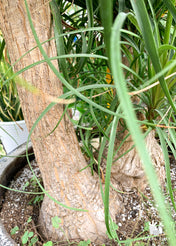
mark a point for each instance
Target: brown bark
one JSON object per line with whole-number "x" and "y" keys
{"x": 58, "y": 155}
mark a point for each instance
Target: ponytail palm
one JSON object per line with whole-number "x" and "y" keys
{"x": 151, "y": 56}
{"x": 126, "y": 127}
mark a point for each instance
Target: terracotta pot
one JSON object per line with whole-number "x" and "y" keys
{"x": 9, "y": 166}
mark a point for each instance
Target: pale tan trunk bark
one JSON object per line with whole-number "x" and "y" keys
{"x": 58, "y": 155}
{"x": 127, "y": 170}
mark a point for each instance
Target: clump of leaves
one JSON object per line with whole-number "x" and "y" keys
{"x": 28, "y": 238}
{"x": 10, "y": 108}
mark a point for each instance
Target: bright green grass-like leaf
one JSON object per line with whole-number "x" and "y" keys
{"x": 9, "y": 134}
{"x": 106, "y": 9}
{"x": 55, "y": 9}
{"x": 137, "y": 136}
{"x": 163, "y": 140}
{"x": 20, "y": 191}
{"x": 108, "y": 170}
{"x": 87, "y": 47}
{"x": 101, "y": 149}
{"x": 151, "y": 46}
{"x": 113, "y": 229}
{"x": 96, "y": 121}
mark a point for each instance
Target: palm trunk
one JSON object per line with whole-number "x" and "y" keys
{"x": 58, "y": 154}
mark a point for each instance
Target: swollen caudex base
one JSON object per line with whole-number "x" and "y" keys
{"x": 78, "y": 225}
{"x": 127, "y": 172}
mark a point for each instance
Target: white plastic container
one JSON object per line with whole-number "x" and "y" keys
{"x": 13, "y": 134}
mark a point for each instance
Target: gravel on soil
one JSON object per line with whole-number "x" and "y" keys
{"x": 138, "y": 220}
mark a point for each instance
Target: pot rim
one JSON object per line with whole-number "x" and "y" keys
{"x": 12, "y": 122}
{"x": 9, "y": 166}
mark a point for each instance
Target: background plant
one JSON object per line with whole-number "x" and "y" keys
{"x": 10, "y": 109}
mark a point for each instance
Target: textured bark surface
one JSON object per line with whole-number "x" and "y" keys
{"x": 127, "y": 172}
{"x": 58, "y": 155}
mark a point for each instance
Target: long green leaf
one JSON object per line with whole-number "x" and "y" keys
{"x": 108, "y": 168}
{"x": 167, "y": 164}
{"x": 106, "y": 9}
{"x": 136, "y": 134}
{"x": 59, "y": 39}
{"x": 87, "y": 47}
{"x": 145, "y": 25}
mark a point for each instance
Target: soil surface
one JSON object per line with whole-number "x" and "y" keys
{"x": 138, "y": 220}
